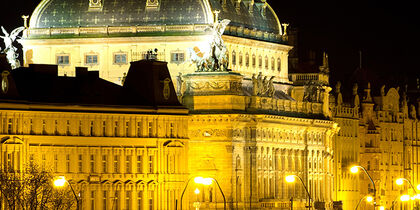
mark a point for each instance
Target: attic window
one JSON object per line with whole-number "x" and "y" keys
{"x": 63, "y": 59}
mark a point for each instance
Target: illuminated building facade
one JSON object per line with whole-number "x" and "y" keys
{"x": 119, "y": 152}
{"x": 246, "y": 136}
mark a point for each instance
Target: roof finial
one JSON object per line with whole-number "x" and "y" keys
{"x": 216, "y": 16}
{"x": 25, "y": 20}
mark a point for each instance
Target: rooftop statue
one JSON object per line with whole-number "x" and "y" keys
{"x": 10, "y": 50}
{"x": 216, "y": 58}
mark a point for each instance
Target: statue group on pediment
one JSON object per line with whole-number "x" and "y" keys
{"x": 263, "y": 86}
{"x": 216, "y": 58}
{"x": 313, "y": 92}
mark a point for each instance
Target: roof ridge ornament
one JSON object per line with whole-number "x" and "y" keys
{"x": 95, "y": 5}
{"x": 152, "y": 4}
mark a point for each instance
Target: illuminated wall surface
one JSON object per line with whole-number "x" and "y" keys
{"x": 116, "y": 130}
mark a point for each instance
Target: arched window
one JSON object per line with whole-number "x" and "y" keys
{"x": 278, "y": 64}
{"x": 266, "y": 62}
{"x": 247, "y": 60}
{"x": 233, "y": 57}
{"x": 260, "y": 61}
{"x": 253, "y": 61}
{"x": 272, "y": 64}
{"x": 240, "y": 59}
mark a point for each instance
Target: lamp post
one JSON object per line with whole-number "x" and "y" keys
{"x": 205, "y": 181}
{"x": 368, "y": 199}
{"x": 400, "y": 181}
{"x": 60, "y": 182}
{"x": 355, "y": 169}
{"x": 403, "y": 198}
{"x": 292, "y": 178}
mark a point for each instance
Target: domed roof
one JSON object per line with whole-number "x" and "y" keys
{"x": 254, "y": 19}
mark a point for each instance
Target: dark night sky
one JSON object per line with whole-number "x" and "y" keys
{"x": 388, "y": 34}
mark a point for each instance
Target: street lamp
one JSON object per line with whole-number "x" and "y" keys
{"x": 60, "y": 181}
{"x": 400, "y": 181}
{"x": 204, "y": 181}
{"x": 292, "y": 178}
{"x": 355, "y": 169}
{"x": 369, "y": 199}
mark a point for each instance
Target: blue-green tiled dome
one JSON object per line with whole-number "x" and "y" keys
{"x": 247, "y": 18}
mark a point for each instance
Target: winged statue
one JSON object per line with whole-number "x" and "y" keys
{"x": 10, "y": 50}
{"x": 216, "y": 58}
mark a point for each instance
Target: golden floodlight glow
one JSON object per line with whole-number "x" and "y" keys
{"x": 196, "y": 191}
{"x": 201, "y": 180}
{"x": 418, "y": 187}
{"x": 198, "y": 180}
{"x": 354, "y": 169}
{"x": 381, "y": 208}
{"x": 369, "y": 199}
{"x": 399, "y": 181}
{"x": 405, "y": 198}
{"x": 290, "y": 178}
{"x": 60, "y": 181}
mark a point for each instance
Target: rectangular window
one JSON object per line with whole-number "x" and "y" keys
{"x": 56, "y": 127}
{"x": 80, "y": 128}
{"x": 92, "y": 163}
{"x": 116, "y": 129}
{"x": 151, "y": 164}
{"x": 91, "y": 128}
{"x": 44, "y": 127}
{"x": 120, "y": 58}
{"x": 104, "y": 200}
{"x": 128, "y": 164}
{"x": 138, "y": 129}
{"x": 91, "y": 59}
{"x": 151, "y": 199}
{"x": 56, "y": 163}
{"x": 116, "y": 164}
{"x": 127, "y": 129}
{"x": 9, "y": 126}
{"x": 128, "y": 200}
{"x": 150, "y": 129}
{"x": 104, "y": 164}
{"x": 104, "y": 128}
{"x": 68, "y": 163}
{"x": 80, "y": 163}
{"x": 140, "y": 200}
{"x": 177, "y": 57}
{"x": 92, "y": 200}
{"x": 139, "y": 164}
{"x": 68, "y": 128}
{"x": 63, "y": 60}
{"x": 117, "y": 199}
{"x": 171, "y": 130}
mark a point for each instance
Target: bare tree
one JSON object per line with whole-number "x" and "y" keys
{"x": 32, "y": 189}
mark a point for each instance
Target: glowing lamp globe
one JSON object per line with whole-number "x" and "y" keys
{"x": 60, "y": 181}
{"x": 196, "y": 191}
{"x": 405, "y": 198}
{"x": 369, "y": 199}
{"x": 399, "y": 181}
{"x": 199, "y": 180}
{"x": 381, "y": 208}
{"x": 354, "y": 169}
{"x": 290, "y": 178}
